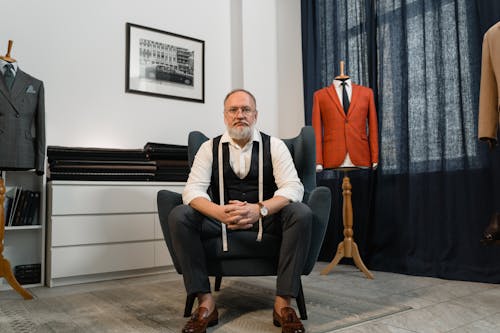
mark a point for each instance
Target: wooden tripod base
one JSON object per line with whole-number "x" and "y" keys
{"x": 348, "y": 247}
{"x": 5, "y": 269}
{"x": 6, "y": 273}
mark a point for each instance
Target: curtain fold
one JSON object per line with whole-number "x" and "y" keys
{"x": 424, "y": 210}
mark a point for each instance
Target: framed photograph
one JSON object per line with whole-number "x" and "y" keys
{"x": 164, "y": 64}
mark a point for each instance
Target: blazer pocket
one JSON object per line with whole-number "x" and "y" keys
{"x": 28, "y": 135}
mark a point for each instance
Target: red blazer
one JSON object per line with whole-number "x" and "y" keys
{"x": 337, "y": 134}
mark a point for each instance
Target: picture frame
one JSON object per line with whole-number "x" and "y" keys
{"x": 164, "y": 64}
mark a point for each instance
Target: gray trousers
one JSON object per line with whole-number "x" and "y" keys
{"x": 188, "y": 228}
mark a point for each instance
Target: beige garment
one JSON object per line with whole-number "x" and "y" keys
{"x": 489, "y": 98}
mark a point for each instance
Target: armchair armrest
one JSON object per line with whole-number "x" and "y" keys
{"x": 320, "y": 203}
{"x": 166, "y": 201}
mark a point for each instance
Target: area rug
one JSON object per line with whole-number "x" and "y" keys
{"x": 245, "y": 305}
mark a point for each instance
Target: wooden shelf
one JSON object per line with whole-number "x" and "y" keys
{"x": 24, "y": 227}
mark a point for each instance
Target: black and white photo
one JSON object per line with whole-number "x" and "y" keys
{"x": 164, "y": 64}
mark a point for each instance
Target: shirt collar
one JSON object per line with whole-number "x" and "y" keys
{"x": 3, "y": 63}
{"x": 337, "y": 83}
{"x": 226, "y": 138}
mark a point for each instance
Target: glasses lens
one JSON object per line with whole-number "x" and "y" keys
{"x": 246, "y": 110}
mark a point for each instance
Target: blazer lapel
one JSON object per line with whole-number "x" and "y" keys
{"x": 8, "y": 94}
{"x": 3, "y": 88}
{"x": 333, "y": 95}
{"x": 19, "y": 84}
{"x": 354, "y": 98}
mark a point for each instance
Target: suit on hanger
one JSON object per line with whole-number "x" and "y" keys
{"x": 338, "y": 134}
{"x": 22, "y": 110}
{"x": 489, "y": 97}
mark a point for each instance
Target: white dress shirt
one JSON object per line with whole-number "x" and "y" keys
{"x": 3, "y": 63}
{"x": 338, "y": 89}
{"x": 285, "y": 174}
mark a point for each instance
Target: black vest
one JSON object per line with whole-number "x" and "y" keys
{"x": 246, "y": 189}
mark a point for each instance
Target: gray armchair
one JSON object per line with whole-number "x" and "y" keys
{"x": 246, "y": 256}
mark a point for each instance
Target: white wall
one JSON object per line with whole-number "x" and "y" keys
{"x": 78, "y": 50}
{"x": 289, "y": 58}
{"x": 272, "y": 63}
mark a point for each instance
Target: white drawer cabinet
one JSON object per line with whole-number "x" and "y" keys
{"x": 104, "y": 230}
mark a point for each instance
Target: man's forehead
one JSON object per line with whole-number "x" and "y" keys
{"x": 239, "y": 97}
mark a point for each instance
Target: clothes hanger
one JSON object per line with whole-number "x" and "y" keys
{"x": 7, "y": 56}
{"x": 342, "y": 76}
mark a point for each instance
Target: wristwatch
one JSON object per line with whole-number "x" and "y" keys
{"x": 262, "y": 209}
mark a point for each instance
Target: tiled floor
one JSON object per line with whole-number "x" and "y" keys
{"x": 436, "y": 305}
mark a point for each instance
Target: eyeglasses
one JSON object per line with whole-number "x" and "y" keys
{"x": 246, "y": 110}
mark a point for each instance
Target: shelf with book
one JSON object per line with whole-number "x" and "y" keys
{"x": 24, "y": 238}
{"x": 23, "y": 227}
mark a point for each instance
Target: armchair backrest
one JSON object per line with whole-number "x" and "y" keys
{"x": 302, "y": 148}
{"x": 195, "y": 140}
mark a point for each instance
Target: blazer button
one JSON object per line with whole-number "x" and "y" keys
{"x": 17, "y": 115}
{"x": 346, "y": 121}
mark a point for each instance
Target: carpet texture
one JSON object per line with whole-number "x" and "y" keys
{"x": 245, "y": 305}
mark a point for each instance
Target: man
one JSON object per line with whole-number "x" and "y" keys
{"x": 231, "y": 165}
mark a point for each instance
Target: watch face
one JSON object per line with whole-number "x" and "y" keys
{"x": 263, "y": 211}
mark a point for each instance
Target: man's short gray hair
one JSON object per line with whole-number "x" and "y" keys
{"x": 241, "y": 90}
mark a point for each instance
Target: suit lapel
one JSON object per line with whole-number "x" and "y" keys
{"x": 17, "y": 88}
{"x": 19, "y": 84}
{"x": 354, "y": 98}
{"x": 3, "y": 88}
{"x": 333, "y": 95}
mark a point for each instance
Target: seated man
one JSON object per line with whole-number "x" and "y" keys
{"x": 242, "y": 180}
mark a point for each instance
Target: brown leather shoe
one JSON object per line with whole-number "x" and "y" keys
{"x": 288, "y": 321}
{"x": 200, "y": 320}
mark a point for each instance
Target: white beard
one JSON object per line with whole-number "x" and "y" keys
{"x": 240, "y": 133}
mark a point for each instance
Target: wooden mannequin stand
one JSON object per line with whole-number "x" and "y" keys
{"x": 5, "y": 269}
{"x": 348, "y": 247}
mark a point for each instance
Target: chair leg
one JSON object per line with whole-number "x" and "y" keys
{"x": 218, "y": 281}
{"x": 301, "y": 303}
{"x": 189, "y": 305}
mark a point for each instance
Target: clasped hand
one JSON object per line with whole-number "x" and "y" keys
{"x": 240, "y": 214}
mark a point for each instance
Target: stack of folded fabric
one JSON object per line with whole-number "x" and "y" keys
{"x": 171, "y": 161}
{"x": 108, "y": 164}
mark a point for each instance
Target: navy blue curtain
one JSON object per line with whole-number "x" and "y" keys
{"x": 424, "y": 209}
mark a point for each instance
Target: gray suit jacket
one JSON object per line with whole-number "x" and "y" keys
{"x": 22, "y": 124}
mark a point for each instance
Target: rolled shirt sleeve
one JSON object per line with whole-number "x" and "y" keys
{"x": 285, "y": 174}
{"x": 199, "y": 177}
